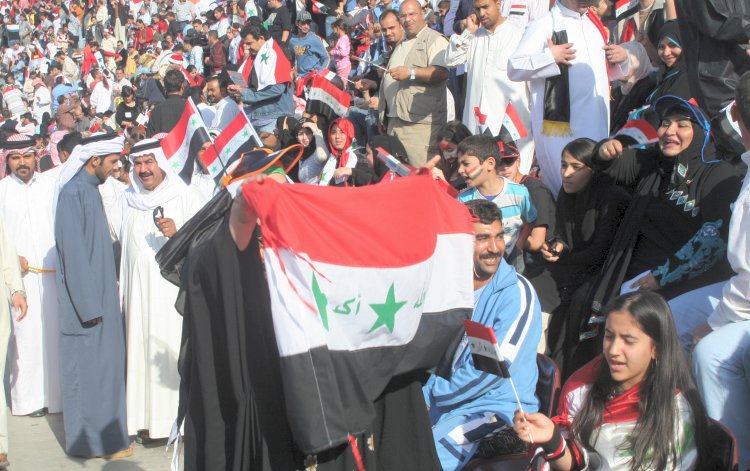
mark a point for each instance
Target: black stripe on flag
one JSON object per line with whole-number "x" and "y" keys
{"x": 330, "y": 394}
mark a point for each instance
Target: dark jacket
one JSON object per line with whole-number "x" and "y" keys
{"x": 712, "y": 31}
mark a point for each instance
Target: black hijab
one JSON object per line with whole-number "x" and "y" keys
{"x": 674, "y": 80}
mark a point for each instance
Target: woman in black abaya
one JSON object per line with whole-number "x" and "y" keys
{"x": 673, "y": 236}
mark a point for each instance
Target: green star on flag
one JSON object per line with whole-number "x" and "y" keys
{"x": 264, "y": 58}
{"x": 387, "y": 311}
{"x": 321, "y": 301}
{"x": 176, "y": 164}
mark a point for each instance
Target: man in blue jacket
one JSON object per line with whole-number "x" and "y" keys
{"x": 269, "y": 95}
{"x": 308, "y": 49}
{"x": 473, "y": 404}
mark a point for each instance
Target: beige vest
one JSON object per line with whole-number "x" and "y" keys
{"x": 417, "y": 102}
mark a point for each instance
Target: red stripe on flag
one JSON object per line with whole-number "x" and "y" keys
{"x": 283, "y": 70}
{"x": 333, "y": 230}
{"x": 234, "y": 127}
{"x": 176, "y": 137}
{"x": 512, "y": 114}
{"x": 480, "y": 331}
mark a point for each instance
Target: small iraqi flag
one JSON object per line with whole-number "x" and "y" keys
{"x": 269, "y": 67}
{"x": 625, "y": 8}
{"x": 512, "y": 128}
{"x": 482, "y": 120}
{"x": 363, "y": 288}
{"x": 182, "y": 143}
{"x": 234, "y": 140}
{"x": 326, "y": 99}
{"x": 637, "y": 132}
{"x": 485, "y": 351}
{"x": 319, "y": 9}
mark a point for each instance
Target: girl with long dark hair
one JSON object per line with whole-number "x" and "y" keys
{"x": 633, "y": 408}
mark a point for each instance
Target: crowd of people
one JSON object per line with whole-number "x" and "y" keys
{"x": 600, "y": 148}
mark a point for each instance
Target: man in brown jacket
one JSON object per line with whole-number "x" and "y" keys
{"x": 217, "y": 58}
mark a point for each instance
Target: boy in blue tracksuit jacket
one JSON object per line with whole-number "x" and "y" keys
{"x": 473, "y": 404}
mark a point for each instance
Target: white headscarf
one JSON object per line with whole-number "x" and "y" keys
{"x": 136, "y": 195}
{"x": 639, "y": 65}
{"x": 97, "y": 145}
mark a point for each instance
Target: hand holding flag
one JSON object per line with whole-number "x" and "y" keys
{"x": 487, "y": 357}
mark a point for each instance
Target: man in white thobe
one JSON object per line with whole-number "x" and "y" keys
{"x": 485, "y": 51}
{"x": 26, "y": 209}
{"x": 536, "y": 59}
{"x": 11, "y": 294}
{"x": 42, "y": 100}
{"x": 155, "y": 206}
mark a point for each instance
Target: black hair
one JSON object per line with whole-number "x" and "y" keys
{"x": 173, "y": 81}
{"x": 652, "y": 442}
{"x": 254, "y": 28}
{"x": 339, "y": 24}
{"x": 223, "y": 79}
{"x": 453, "y": 131}
{"x": 68, "y": 142}
{"x": 484, "y": 211}
{"x": 482, "y": 147}
{"x": 582, "y": 149}
{"x": 388, "y": 13}
{"x": 195, "y": 93}
{"x": 126, "y": 91}
{"x": 125, "y": 164}
{"x": 742, "y": 97}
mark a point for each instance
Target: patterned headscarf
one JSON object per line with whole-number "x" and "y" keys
{"x": 14, "y": 144}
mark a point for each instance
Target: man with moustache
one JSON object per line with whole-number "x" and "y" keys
{"x": 26, "y": 210}
{"x": 218, "y": 97}
{"x": 414, "y": 96}
{"x": 473, "y": 404}
{"x": 147, "y": 214}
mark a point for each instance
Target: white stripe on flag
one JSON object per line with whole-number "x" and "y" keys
{"x": 330, "y": 295}
{"x": 179, "y": 158}
{"x": 317, "y": 93}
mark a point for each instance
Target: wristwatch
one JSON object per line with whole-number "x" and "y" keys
{"x": 413, "y": 74}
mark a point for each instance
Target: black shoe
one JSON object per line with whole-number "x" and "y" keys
{"x": 39, "y": 413}
{"x": 143, "y": 438}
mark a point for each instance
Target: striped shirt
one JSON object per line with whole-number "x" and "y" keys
{"x": 515, "y": 205}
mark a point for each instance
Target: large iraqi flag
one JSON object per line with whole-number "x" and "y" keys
{"x": 182, "y": 143}
{"x": 363, "y": 287}
{"x": 270, "y": 66}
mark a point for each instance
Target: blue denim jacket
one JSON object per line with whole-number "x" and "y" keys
{"x": 270, "y": 103}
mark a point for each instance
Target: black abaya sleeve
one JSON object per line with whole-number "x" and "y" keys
{"x": 630, "y": 167}
{"x": 612, "y": 205}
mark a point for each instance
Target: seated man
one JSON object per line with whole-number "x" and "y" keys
{"x": 473, "y": 404}
{"x": 479, "y": 159}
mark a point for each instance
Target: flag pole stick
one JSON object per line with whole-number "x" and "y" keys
{"x": 252, "y": 128}
{"x": 639, "y": 144}
{"x": 218, "y": 155}
{"x": 520, "y": 407}
{"x": 369, "y": 62}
